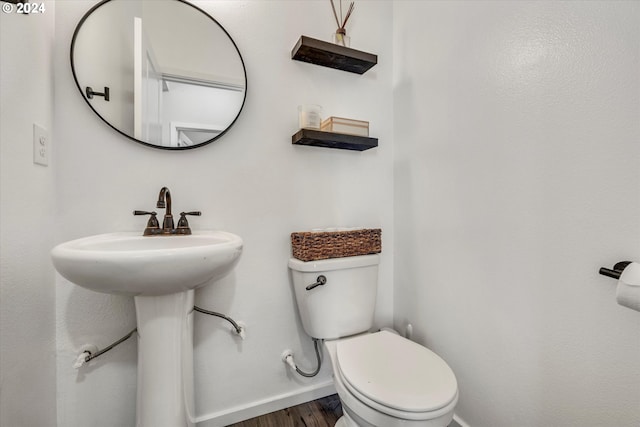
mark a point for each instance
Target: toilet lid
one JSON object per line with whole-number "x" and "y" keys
{"x": 395, "y": 372}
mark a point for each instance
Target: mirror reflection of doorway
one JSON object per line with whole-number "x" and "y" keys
{"x": 147, "y": 88}
{"x": 190, "y": 134}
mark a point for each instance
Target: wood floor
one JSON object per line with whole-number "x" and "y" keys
{"x": 319, "y": 413}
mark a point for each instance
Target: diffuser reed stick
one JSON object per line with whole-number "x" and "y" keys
{"x": 341, "y": 32}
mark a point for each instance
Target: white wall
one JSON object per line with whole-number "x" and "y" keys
{"x": 27, "y": 288}
{"x": 516, "y": 177}
{"x": 252, "y": 182}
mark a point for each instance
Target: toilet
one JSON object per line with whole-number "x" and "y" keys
{"x": 382, "y": 379}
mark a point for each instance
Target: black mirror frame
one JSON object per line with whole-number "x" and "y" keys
{"x": 82, "y": 91}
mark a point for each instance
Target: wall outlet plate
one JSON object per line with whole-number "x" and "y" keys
{"x": 41, "y": 144}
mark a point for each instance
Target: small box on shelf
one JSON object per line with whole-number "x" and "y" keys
{"x": 346, "y": 126}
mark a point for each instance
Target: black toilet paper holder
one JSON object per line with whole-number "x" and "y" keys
{"x": 617, "y": 270}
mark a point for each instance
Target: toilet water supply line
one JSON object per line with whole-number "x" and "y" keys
{"x": 287, "y": 357}
{"x": 238, "y": 328}
{"x": 87, "y": 354}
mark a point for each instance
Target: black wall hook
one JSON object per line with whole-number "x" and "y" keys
{"x": 617, "y": 270}
{"x": 90, "y": 93}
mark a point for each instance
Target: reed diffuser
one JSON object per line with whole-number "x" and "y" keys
{"x": 340, "y": 36}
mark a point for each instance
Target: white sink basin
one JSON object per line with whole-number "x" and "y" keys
{"x": 131, "y": 264}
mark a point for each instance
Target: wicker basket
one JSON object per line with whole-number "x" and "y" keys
{"x": 312, "y": 246}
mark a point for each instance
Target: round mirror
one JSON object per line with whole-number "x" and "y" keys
{"x": 163, "y": 73}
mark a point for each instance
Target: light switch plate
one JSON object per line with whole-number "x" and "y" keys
{"x": 41, "y": 145}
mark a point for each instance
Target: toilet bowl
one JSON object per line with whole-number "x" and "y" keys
{"x": 382, "y": 379}
{"x": 386, "y": 380}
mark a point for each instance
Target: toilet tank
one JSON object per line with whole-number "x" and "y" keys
{"x": 345, "y": 304}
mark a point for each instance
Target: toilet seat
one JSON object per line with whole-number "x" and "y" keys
{"x": 396, "y": 376}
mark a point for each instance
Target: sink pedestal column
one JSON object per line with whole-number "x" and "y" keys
{"x": 165, "y": 360}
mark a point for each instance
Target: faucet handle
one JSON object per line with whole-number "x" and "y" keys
{"x": 153, "y": 226}
{"x": 183, "y": 224}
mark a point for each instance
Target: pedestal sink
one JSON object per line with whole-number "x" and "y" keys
{"x": 161, "y": 273}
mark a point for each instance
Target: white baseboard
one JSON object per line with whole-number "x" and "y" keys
{"x": 265, "y": 406}
{"x": 276, "y": 403}
{"x": 460, "y": 421}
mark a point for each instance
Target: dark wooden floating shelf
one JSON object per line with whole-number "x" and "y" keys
{"x": 333, "y": 140}
{"x": 332, "y": 55}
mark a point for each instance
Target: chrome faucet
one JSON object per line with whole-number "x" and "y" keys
{"x": 168, "y": 228}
